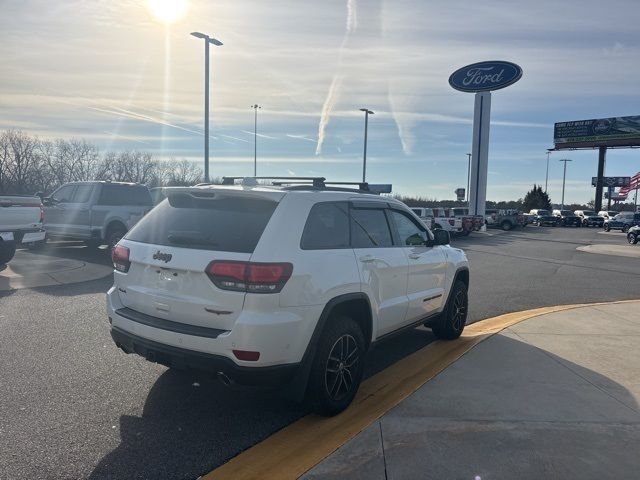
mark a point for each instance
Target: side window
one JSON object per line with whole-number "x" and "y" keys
{"x": 417, "y": 211}
{"x": 82, "y": 193}
{"x": 369, "y": 229}
{"x": 327, "y": 227}
{"x": 408, "y": 232}
{"x": 64, "y": 194}
{"x": 109, "y": 196}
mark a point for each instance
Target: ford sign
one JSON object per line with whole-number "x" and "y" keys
{"x": 485, "y": 76}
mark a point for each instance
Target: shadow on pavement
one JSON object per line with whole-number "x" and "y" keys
{"x": 186, "y": 431}
{"x": 75, "y": 251}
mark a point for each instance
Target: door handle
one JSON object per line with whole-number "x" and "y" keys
{"x": 414, "y": 256}
{"x": 367, "y": 258}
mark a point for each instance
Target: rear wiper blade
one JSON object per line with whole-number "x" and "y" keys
{"x": 186, "y": 239}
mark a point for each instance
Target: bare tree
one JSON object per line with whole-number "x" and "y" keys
{"x": 20, "y": 161}
{"x": 184, "y": 173}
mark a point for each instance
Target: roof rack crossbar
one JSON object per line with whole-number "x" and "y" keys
{"x": 315, "y": 181}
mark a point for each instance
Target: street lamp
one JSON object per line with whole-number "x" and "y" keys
{"x": 207, "y": 40}
{"x": 564, "y": 177}
{"x": 255, "y": 139}
{"x": 367, "y": 112}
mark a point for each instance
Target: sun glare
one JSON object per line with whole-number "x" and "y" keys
{"x": 168, "y": 11}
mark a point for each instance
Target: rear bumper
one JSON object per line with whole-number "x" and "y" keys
{"x": 181, "y": 358}
{"x": 27, "y": 235}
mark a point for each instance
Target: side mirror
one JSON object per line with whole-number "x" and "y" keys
{"x": 441, "y": 237}
{"x": 49, "y": 201}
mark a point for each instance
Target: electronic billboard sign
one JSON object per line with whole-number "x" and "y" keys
{"x": 602, "y": 132}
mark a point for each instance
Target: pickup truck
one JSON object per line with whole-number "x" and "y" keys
{"x": 99, "y": 213}
{"x": 504, "y": 219}
{"x": 21, "y": 222}
{"x": 425, "y": 214}
{"x": 469, "y": 222}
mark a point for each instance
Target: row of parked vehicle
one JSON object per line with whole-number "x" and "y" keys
{"x": 98, "y": 213}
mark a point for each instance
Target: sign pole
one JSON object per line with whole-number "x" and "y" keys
{"x": 480, "y": 154}
{"x": 602, "y": 155}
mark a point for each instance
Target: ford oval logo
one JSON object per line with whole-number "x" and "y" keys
{"x": 485, "y": 76}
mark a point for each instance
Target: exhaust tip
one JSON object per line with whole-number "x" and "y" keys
{"x": 224, "y": 379}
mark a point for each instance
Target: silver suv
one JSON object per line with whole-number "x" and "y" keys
{"x": 96, "y": 212}
{"x": 282, "y": 284}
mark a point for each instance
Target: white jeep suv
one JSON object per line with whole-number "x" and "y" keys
{"x": 281, "y": 284}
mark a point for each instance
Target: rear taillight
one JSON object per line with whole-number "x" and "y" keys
{"x": 41, "y": 214}
{"x": 120, "y": 258}
{"x": 250, "y": 277}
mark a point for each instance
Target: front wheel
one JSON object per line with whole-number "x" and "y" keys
{"x": 625, "y": 228}
{"x": 506, "y": 226}
{"x": 7, "y": 251}
{"x": 453, "y": 319}
{"x": 632, "y": 238}
{"x": 337, "y": 367}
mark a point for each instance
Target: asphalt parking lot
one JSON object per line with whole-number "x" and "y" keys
{"x": 74, "y": 406}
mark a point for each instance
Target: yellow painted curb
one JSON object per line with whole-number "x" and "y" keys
{"x": 295, "y": 449}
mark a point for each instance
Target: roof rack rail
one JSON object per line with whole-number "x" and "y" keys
{"x": 315, "y": 181}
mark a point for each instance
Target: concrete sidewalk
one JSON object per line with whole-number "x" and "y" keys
{"x": 555, "y": 396}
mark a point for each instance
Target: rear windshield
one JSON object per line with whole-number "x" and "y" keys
{"x": 227, "y": 224}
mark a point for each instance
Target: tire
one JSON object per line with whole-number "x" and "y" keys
{"x": 625, "y": 228}
{"x": 453, "y": 319}
{"x": 632, "y": 238}
{"x": 7, "y": 251}
{"x": 114, "y": 235}
{"x": 339, "y": 358}
{"x": 506, "y": 226}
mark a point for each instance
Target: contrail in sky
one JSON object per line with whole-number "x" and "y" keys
{"x": 336, "y": 83}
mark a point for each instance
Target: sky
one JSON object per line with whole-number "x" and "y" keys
{"x": 117, "y": 73}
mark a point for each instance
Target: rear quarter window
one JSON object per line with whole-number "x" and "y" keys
{"x": 327, "y": 227}
{"x": 227, "y": 224}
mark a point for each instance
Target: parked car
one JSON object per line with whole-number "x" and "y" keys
{"x": 544, "y": 217}
{"x": 21, "y": 223}
{"x": 270, "y": 285}
{"x": 98, "y": 213}
{"x": 567, "y": 218}
{"x": 633, "y": 235}
{"x": 504, "y": 219}
{"x": 622, "y": 221}
{"x": 607, "y": 214}
{"x": 469, "y": 222}
{"x": 425, "y": 214}
{"x": 589, "y": 218}
{"x": 442, "y": 221}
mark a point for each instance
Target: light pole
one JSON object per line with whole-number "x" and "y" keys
{"x": 367, "y": 112}
{"x": 468, "y": 176}
{"x": 255, "y": 138}
{"x": 207, "y": 40}
{"x": 546, "y": 178}
{"x": 564, "y": 177}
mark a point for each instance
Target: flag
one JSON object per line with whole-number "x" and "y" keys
{"x": 635, "y": 183}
